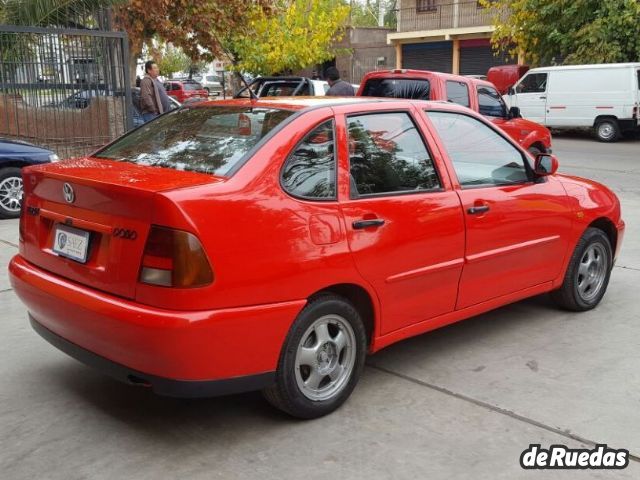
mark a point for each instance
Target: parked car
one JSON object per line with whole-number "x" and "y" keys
{"x": 137, "y": 111}
{"x": 185, "y": 90}
{"x": 603, "y": 97}
{"x": 195, "y": 259}
{"x": 14, "y": 155}
{"x": 79, "y": 100}
{"x": 212, "y": 84}
{"x": 479, "y": 95}
{"x": 285, "y": 86}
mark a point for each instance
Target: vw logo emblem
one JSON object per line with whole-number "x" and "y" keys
{"x": 69, "y": 194}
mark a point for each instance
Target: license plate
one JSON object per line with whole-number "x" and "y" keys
{"x": 71, "y": 243}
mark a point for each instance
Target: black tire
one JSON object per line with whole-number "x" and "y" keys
{"x": 287, "y": 394}
{"x": 9, "y": 206}
{"x": 607, "y": 130}
{"x": 569, "y": 296}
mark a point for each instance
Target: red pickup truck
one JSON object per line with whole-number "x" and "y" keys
{"x": 479, "y": 95}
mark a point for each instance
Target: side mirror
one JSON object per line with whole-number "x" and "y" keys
{"x": 512, "y": 90}
{"x": 514, "y": 112}
{"x": 545, "y": 165}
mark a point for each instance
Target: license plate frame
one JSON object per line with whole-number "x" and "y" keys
{"x": 71, "y": 243}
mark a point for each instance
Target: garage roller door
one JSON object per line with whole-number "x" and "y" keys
{"x": 478, "y": 59}
{"x": 436, "y": 56}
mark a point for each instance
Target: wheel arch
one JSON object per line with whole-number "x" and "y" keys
{"x": 361, "y": 300}
{"x": 13, "y": 163}
{"x": 600, "y": 118}
{"x": 608, "y": 227}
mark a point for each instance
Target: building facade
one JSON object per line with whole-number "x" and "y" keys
{"x": 451, "y": 36}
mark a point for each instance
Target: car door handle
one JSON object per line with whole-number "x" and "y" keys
{"x": 360, "y": 224}
{"x": 543, "y": 98}
{"x": 477, "y": 210}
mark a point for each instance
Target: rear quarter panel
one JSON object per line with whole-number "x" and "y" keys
{"x": 264, "y": 245}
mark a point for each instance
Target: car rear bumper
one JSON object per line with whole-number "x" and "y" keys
{"x": 160, "y": 385}
{"x": 155, "y": 345}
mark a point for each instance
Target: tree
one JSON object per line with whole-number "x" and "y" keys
{"x": 580, "y": 31}
{"x": 196, "y": 26}
{"x": 43, "y": 13}
{"x": 365, "y": 13}
{"x": 171, "y": 60}
{"x": 297, "y": 34}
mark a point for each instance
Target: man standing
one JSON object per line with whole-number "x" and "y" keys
{"x": 338, "y": 87}
{"x": 153, "y": 99}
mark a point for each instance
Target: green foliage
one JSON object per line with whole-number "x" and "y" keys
{"x": 172, "y": 60}
{"x": 48, "y": 12}
{"x": 297, "y": 34}
{"x": 580, "y": 31}
{"x": 364, "y": 13}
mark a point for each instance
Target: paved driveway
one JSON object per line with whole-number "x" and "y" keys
{"x": 461, "y": 402}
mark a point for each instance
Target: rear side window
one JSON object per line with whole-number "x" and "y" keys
{"x": 458, "y": 92}
{"x": 192, "y": 86}
{"x": 387, "y": 155}
{"x": 397, "y": 88}
{"x": 490, "y": 102}
{"x": 207, "y": 140}
{"x": 480, "y": 156}
{"x": 310, "y": 171}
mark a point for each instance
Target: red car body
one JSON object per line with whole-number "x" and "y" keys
{"x": 530, "y": 135}
{"x": 183, "y": 91}
{"x": 430, "y": 265}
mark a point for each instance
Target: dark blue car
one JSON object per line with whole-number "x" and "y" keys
{"x": 13, "y": 156}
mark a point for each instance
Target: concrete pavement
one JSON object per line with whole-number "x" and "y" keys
{"x": 461, "y": 402}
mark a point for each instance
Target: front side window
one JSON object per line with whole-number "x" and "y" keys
{"x": 210, "y": 140}
{"x": 480, "y": 156}
{"x": 533, "y": 83}
{"x": 310, "y": 170}
{"x": 458, "y": 92}
{"x": 387, "y": 155}
{"x": 491, "y": 103}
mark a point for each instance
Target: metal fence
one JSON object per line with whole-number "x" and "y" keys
{"x": 64, "y": 89}
{"x": 437, "y": 16}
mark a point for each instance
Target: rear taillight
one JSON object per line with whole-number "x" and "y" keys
{"x": 174, "y": 258}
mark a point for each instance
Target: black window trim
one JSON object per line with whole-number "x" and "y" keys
{"x": 331, "y": 119}
{"x": 367, "y": 196}
{"x": 532, "y": 179}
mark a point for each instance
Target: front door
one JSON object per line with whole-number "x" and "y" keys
{"x": 531, "y": 97}
{"x": 405, "y": 231}
{"x": 517, "y": 226}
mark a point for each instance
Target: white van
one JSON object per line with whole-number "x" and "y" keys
{"x": 605, "y": 97}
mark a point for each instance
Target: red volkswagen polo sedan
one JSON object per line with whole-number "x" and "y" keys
{"x": 272, "y": 244}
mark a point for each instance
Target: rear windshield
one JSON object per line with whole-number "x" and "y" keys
{"x": 207, "y": 139}
{"x": 192, "y": 86}
{"x": 397, "y": 88}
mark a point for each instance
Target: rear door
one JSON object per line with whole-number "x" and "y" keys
{"x": 531, "y": 96}
{"x": 404, "y": 223}
{"x": 516, "y": 227}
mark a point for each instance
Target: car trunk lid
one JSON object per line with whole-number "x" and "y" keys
{"x": 87, "y": 220}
